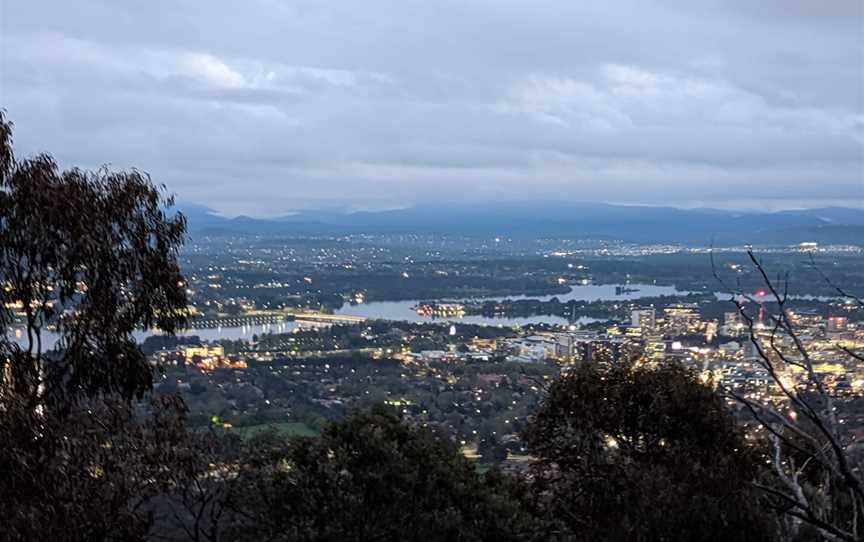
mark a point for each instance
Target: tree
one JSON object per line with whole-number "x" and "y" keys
{"x": 635, "y": 453}
{"x": 92, "y": 255}
{"x": 817, "y": 482}
{"x": 88, "y": 257}
{"x": 93, "y": 474}
{"x": 369, "y": 478}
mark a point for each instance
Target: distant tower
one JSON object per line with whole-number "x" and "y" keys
{"x": 760, "y": 296}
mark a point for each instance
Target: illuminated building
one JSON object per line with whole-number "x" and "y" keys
{"x": 536, "y": 347}
{"x": 681, "y": 318}
{"x": 837, "y": 325}
{"x": 655, "y": 348}
{"x": 805, "y": 317}
{"x": 441, "y": 310}
{"x": 733, "y": 324}
{"x": 710, "y": 331}
{"x": 599, "y": 350}
{"x": 209, "y": 357}
{"x": 645, "y": 319}
{"x": 202, "y": 351}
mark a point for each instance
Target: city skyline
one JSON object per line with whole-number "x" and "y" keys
{"x": 270, "y": 107}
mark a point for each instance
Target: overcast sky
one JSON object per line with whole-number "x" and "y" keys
{"x": 263, "y": 106}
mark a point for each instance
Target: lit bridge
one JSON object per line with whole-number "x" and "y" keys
{"x": 236, "y": 321}
{"x": 328, "y": 318}
{"x": 272, "y": 317}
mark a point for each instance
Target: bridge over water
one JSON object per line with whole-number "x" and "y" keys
{"x": 273, "y": 317}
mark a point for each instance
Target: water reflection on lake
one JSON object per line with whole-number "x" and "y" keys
{"x": 401, "y": 310}
{"x": 206, "y": 334}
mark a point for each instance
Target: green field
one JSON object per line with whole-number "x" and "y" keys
{"x": 293, "y": 429}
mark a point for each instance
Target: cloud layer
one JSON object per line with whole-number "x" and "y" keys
{"x": 264, "y": 106}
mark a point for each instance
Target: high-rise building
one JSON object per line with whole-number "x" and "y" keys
{"x": 599, "y": 350}
{"x": 681, "y": 318}
{"x": 655, "y": 348}
{"x": 644, "y": 318}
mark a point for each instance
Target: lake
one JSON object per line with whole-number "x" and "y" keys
{"x": 206, "y": 334}
{"x": 402, "y": 311}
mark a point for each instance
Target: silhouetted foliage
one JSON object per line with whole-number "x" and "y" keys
{"x": 369, "y": 478}
{"x": 635, "y": 453}
{"x": 88, "y": 476}
{"x": 91, "y": 255}
{"x": 87, "y": 257}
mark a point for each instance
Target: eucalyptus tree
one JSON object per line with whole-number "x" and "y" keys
{"x": 87, "y": 257}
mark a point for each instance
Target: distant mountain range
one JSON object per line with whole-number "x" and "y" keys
{"x": 832, "y": 225}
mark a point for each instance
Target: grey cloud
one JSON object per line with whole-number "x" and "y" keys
{"x": 263, "y": 106}
{"x": 830, "y": 12}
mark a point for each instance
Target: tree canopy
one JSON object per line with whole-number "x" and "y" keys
{"x": 371, "y": 477}
{"x": 637, "y": 453}
{"x": 92, "y": 256}
{"x": 86, "y": 258}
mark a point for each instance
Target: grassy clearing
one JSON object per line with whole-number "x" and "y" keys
{"x": 292, "y": 429}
